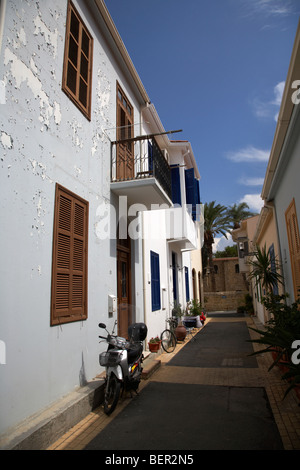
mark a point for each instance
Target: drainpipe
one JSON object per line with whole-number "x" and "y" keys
{"x": 144, "y": 275}
{"x": 2, "y": 18}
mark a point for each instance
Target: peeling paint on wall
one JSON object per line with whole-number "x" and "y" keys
{"x": 50, "y": 38}
{"x": 6, "y": 140}
{"x": 23, "y": 74}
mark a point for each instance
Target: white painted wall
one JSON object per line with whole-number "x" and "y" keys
{"x": 44, "y": 140}
{"x": 155, "y": 240}
{"x": 286, "y": 188}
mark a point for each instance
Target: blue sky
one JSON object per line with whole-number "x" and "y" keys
{"x": 216, "y": 69}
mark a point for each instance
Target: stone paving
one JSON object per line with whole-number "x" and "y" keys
{"x": 286, "y": 412}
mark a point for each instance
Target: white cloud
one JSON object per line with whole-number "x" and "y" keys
{"x": 252, "y": 181}
{"x": 249, "y": 154}
{"x": 269, "y": 109}
{"x": 270, "y": 8}
{"x": 278, "y": 92}
{"x": 254, "y": 202}
{"x": 222, "y": 242}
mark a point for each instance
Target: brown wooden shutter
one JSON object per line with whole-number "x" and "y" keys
{"x": 69, "y": 264}
{"x": 78, "y": 58}
{"x": 294, "y": 245}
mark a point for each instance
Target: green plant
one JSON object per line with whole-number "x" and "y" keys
{"x": 264, "y": 270}
{"x": 292, "y": 376}
{"x": 280, "y": 333}
{"x": 177, "y": 310}
{"x": 193, "y": 308}
{"x": 239, "y": 212}
{"x": 154, "y": 340}
{"x": 216, "y": 221}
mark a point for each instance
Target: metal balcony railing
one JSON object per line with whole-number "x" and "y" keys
{"x": 139, "y": 158}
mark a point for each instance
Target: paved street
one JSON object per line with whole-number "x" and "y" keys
{"x": 208, "y": 395}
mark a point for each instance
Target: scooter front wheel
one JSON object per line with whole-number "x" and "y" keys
{"x": 112, "y": 393}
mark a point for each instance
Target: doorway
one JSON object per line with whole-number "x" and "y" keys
{"x": 124, "y": 286}
{"x": 174, "y": 273}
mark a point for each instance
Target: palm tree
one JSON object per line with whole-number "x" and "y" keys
{"x": 216, "y": 221}
{"x": 238, "y": 212}
{"x": 263, "y": 270}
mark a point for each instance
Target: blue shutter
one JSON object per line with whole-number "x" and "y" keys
{"x": 189, "y": 186}
{"x": 155, "y": 281}
{"x": 187, "y": 285}
{"x": 197, "y": 191}
{"x": 176, "y": 192}
{"x": 192, "y": 191}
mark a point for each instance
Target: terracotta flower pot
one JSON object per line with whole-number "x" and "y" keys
{"x": 180, "y": 332}
{"x": 154, "y": 347}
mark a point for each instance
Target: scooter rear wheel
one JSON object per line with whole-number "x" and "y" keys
{"x": 112, "y": 393}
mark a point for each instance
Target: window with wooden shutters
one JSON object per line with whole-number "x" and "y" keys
{"x": 69, "y": 263}
{"x": 77, "y": 69}
{"x": 294, "y": 245}
{"x": 125, "y": 150}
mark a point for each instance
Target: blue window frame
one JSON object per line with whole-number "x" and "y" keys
{"x": 187, "y": 285}
{"x": 155, "y": 281}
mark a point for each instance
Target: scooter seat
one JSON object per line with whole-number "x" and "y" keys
{"x": 134, "y": 352}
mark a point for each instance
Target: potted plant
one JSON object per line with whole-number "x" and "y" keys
{"x": 193, "y": 312}
{"x": 180, "y": 330}
{"x": 154, "y": 344}
{"x": 278, "y": 337}
{"x": 177, "y": 312}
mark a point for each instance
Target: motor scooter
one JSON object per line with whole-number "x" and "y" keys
{"x": 123, "y": 363}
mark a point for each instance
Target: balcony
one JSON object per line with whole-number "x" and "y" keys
{"x": 175, "y": 225}
{"x": 140, "y": 171}
{"x": 180, "y": 228}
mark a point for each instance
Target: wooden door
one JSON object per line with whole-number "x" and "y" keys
{"x": 125, "y": 150}
{"x": 123, "y": 289}
{"x": 125, "y": 167}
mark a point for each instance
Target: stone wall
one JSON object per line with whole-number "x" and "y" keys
{"x": 224, "y": 301}
{"x": 230, "y": 286}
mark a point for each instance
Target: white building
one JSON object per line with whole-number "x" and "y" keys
{"x": 71, "y": 104}
{"x": 281, "y": 185}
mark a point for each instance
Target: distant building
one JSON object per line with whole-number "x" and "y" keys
{"x": 231, "y": 285}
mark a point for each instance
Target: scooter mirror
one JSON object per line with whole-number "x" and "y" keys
{"x": 102, "y": 325}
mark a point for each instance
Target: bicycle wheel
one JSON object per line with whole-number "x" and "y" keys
{"x": 168, "y": 341}
{"x": 112, "y": 393}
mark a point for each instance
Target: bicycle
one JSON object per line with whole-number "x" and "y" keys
{"x": 168, "y": 337}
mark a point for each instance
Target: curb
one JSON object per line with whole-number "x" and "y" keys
{"x": 150, "y": 365}
{"x": 39, "y": 431}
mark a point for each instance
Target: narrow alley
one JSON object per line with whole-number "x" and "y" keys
{"x": 207, "y": 395}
